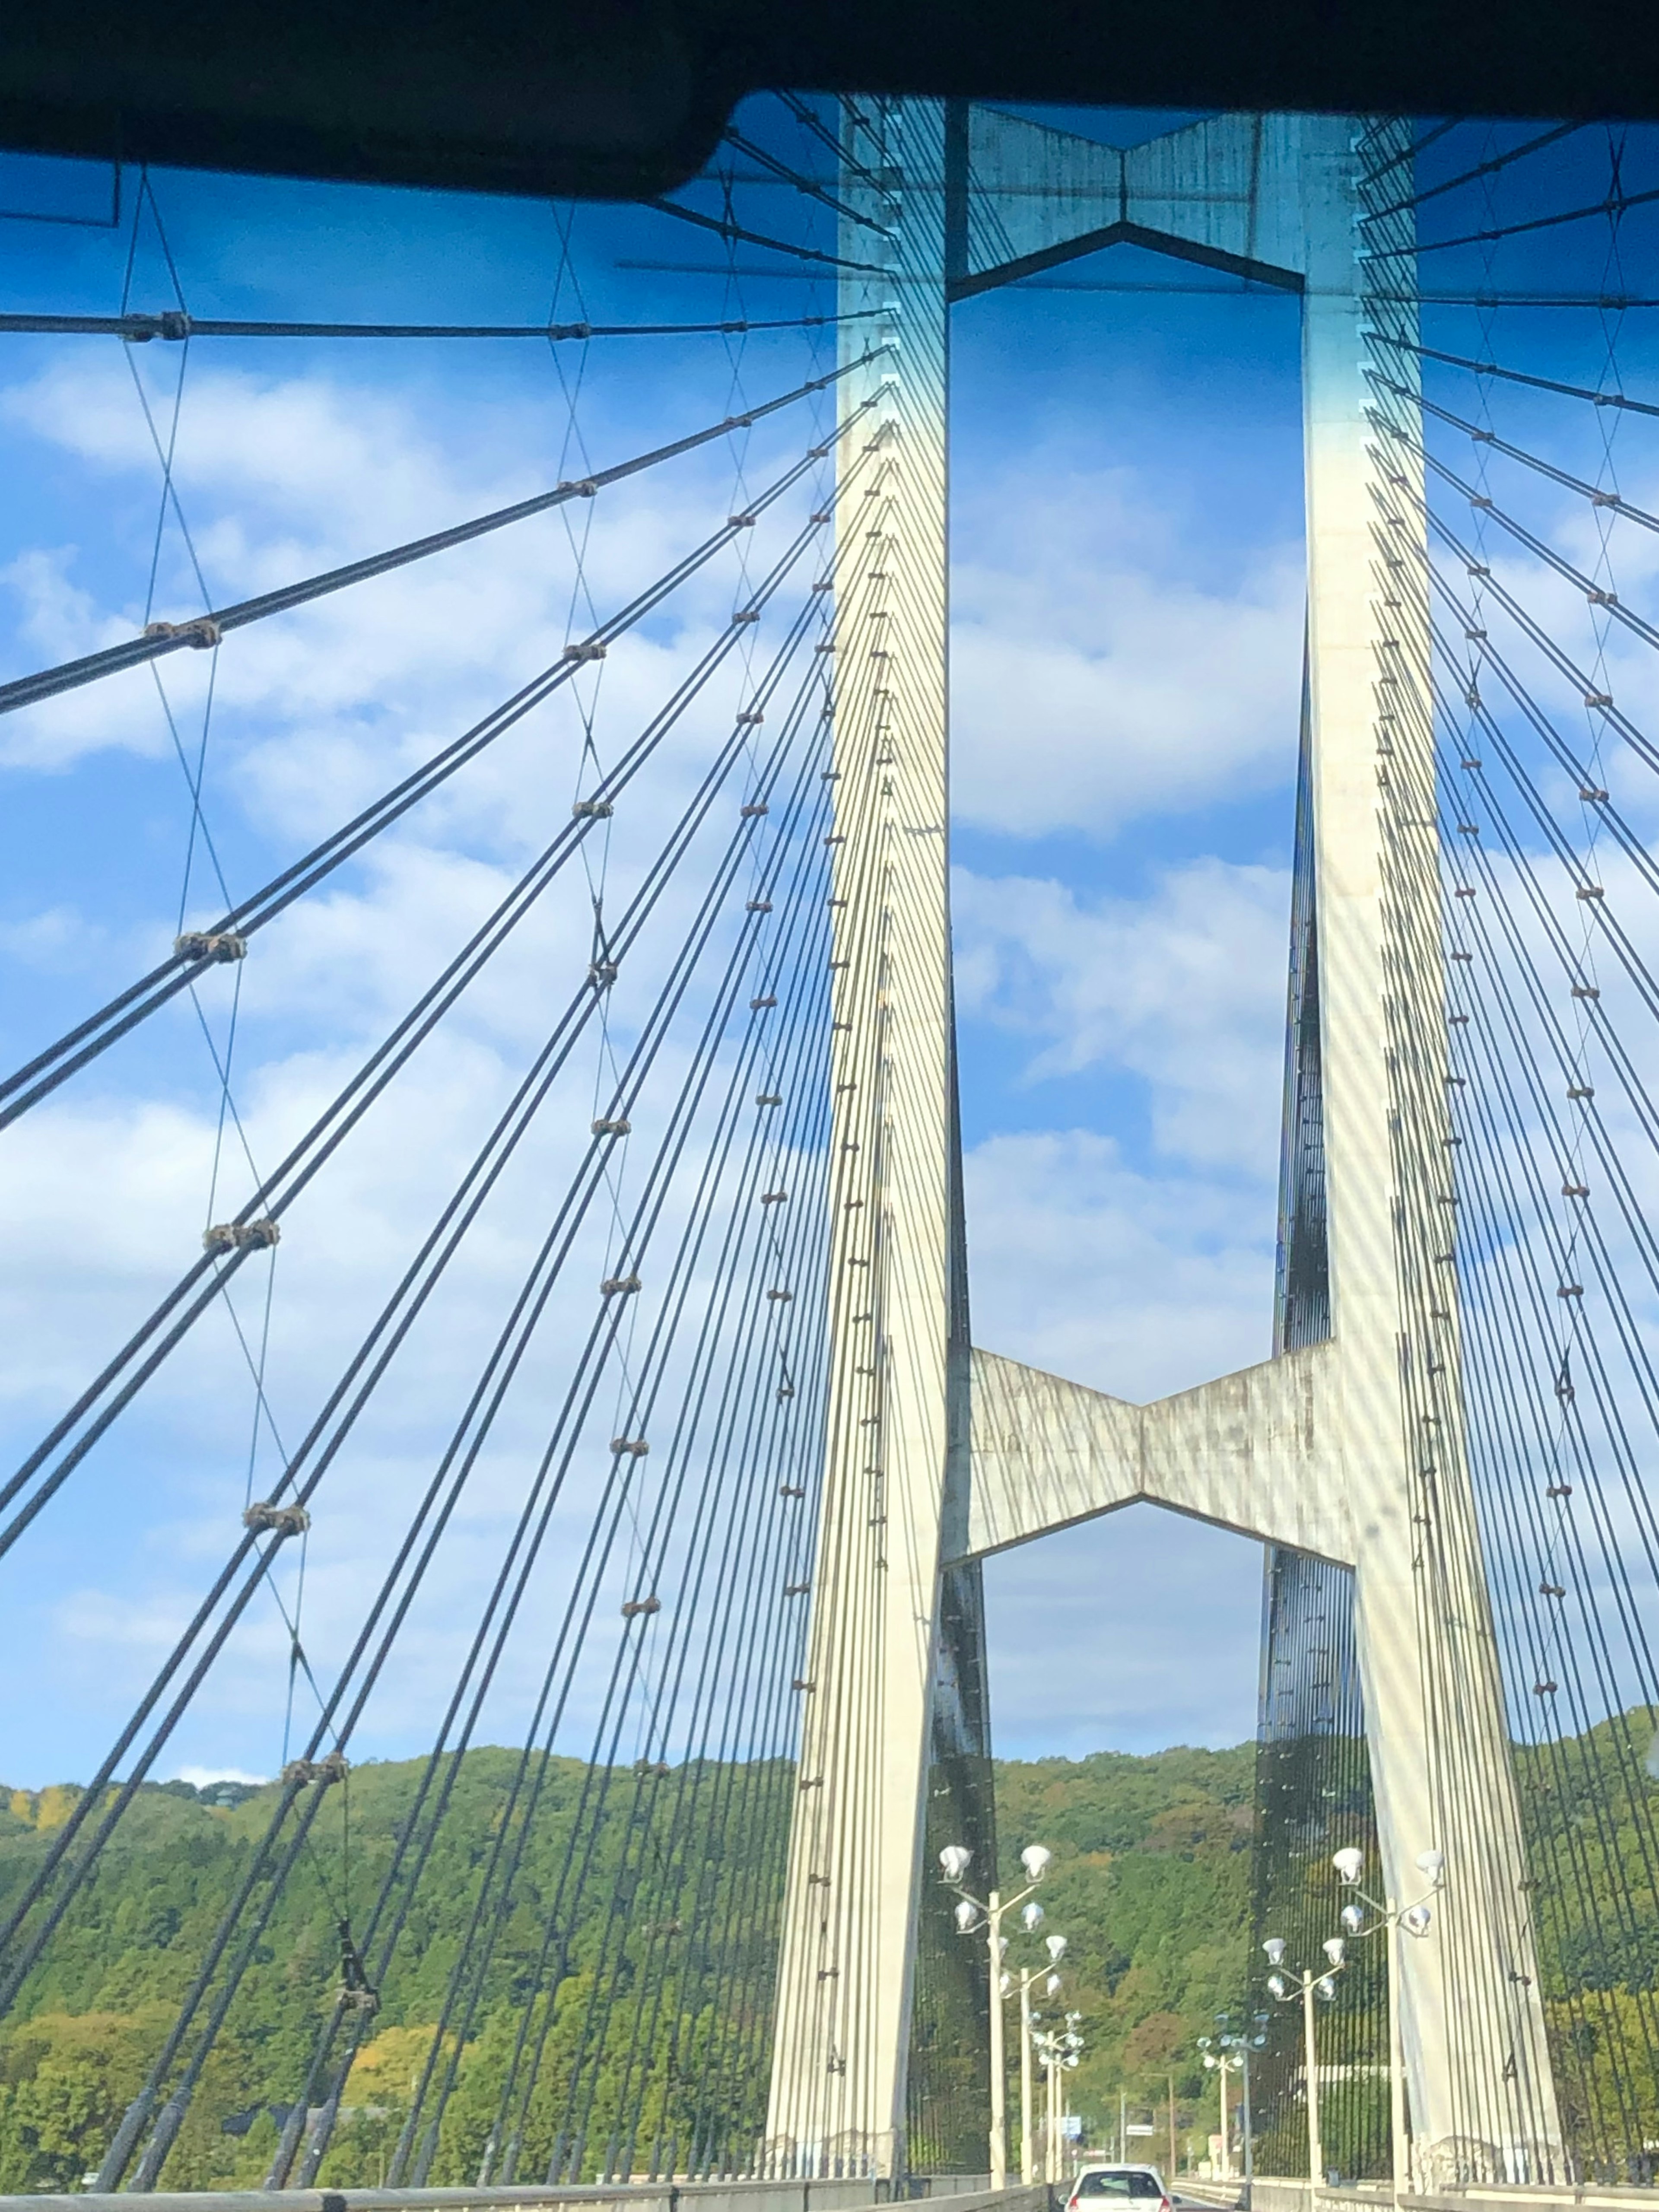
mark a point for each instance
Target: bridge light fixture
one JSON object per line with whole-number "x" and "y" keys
{"x": 1333, "y": 1948}
{"x": 1350, "y": 1863}
{"x": 1352, "y": 1917}
{"x": 1203, "y": 2042}
{"x": 1051, "y": 1987}
{"x": 966, "y": 1917}
{"x": 1326, "y": 1989}
{"x": 1034, "y": 1859}
{"x": 1415, "y": 1919}
{"x": 1004, "y": 1983}
{"x": 1031, "y": 1918}
{"x": 1274, "y": 1947}
{"x": 1055, "y": 1946}
{"x": 1279, "y": 1985}
{"x": 955, "y": 1859}
{"x": 1432, "y": 1864}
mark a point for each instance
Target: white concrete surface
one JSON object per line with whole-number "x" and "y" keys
{"x": 1352, "y": 1449}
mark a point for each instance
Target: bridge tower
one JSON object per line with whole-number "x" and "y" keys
{"x": 1349, "y": 1448}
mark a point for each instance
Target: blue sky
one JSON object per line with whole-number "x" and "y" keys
{"x": 1128, "y": 612}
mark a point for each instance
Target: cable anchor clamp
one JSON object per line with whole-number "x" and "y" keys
{"x": 286, "y": 1520}
{"x": 210, "y": 944}
{"x": 241, "y": 1236}
{"x": 635, "y": 1606}
{"x": 323, "y": 1771}
{"x": 202, "y": 632}
{"x": 139, "y": 330}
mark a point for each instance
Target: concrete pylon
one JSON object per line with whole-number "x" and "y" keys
{"x": 838, "y": 2077}
{"x": 1352, "y": 1448}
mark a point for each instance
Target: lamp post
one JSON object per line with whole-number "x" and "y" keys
{"x": 971, "y": 1915}
{"x": 1306, "y": 1985}
{"x": 1057, "y": 2049}
{"x": 1235, "y": 2058}
{"x": 1221, "y": 2067}
{"x": 1392, "y": 1922}
{"x": 1031, "y": 1920}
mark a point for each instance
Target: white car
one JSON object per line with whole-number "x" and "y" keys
{"x": 1142, "y": 2184}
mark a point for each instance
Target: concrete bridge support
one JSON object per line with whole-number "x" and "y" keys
{"x": 1350, "y": 1449}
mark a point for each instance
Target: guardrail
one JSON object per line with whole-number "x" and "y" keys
{"x": 1270, "y": 2193}
{"x": 828, "y": 2195}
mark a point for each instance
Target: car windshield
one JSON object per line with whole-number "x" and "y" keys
{"x": 1137, "y": 2184}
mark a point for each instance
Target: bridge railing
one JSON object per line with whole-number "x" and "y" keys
{"x": 1272, "y": 2195}
{"x": 965, "y": 2193}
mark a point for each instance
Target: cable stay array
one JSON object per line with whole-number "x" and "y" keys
{"x": 1516, "y": 751}
{"x": 204, "y": 632}
{"x": 580, "y": 1409}
{"x": 516, "y": 1577}
{"x": 175, "y": 325}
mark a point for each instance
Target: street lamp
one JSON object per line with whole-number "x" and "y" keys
{"x": 970, "y": 1916}
{"x": 1305, "y": 1983}
{"x": 1032, "y": 1920}
{"x": 1058, "y": 2050}
{"x": 1234, "y": 2058}
{"x": 1391, "y": 1921}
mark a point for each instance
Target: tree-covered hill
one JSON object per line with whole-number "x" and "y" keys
{"x": 1150, "y": 1885}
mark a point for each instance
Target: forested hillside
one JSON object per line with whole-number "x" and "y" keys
{"x": 1150, "y": 1885}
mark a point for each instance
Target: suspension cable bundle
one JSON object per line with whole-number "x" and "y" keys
{"x": 1511, "y": 517}
{"x": 547, "y": 1945}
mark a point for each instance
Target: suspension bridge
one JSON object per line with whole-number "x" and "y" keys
{"x": 751, "y": 1453}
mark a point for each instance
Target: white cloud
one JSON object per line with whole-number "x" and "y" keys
{"x": 1094, "y": 683}
{"x": 105, "y": 1188}
{"x": 1184, "y": 989}
{"x": 286, "y": 478}
{"x": 1135, "y": 1285}
{"x": 200, "y": 1777}
{"x": 1131, "y": 1633}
